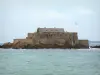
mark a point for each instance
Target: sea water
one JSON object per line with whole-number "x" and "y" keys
{"x": 49, "y": 62}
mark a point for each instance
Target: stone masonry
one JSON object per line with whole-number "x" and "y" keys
{"x": 49, "y": 37}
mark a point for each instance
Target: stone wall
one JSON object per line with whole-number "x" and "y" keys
{"x": 74, "y": 38}
{"x": 71, "y": 37}
{"x": 41, "y": 30}
{"x": 84, "y": 43}
{"x": 30, "y": 35}
{"x": 27, "y": 41}
{"x": 59, "y": 38}
{"x": 52, "y": 35}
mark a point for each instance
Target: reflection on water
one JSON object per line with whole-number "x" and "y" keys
{"x": 49, "y": 62}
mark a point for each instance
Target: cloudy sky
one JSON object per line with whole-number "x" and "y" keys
{"x": 18, "y": 17}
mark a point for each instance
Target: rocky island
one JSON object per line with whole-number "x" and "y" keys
{"x": 48, "y": 38}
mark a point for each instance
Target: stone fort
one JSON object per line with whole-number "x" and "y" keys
{"x": 49, "y": 37}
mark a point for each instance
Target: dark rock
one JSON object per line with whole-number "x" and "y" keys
{"x": 7, "y": 45}
{"x": 95, "y": 46}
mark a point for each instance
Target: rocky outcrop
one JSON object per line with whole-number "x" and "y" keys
{"x": 18, "y": 45}
{"x": 13, "y": 45}
{"x": 7, "y": 45}
{"x": 0, "y": 46}
{"x": 95, "y": 46}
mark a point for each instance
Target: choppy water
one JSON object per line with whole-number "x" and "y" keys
{"x": 49, "y": 62}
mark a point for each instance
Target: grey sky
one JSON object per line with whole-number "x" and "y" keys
{"x": 18, "y": 17}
